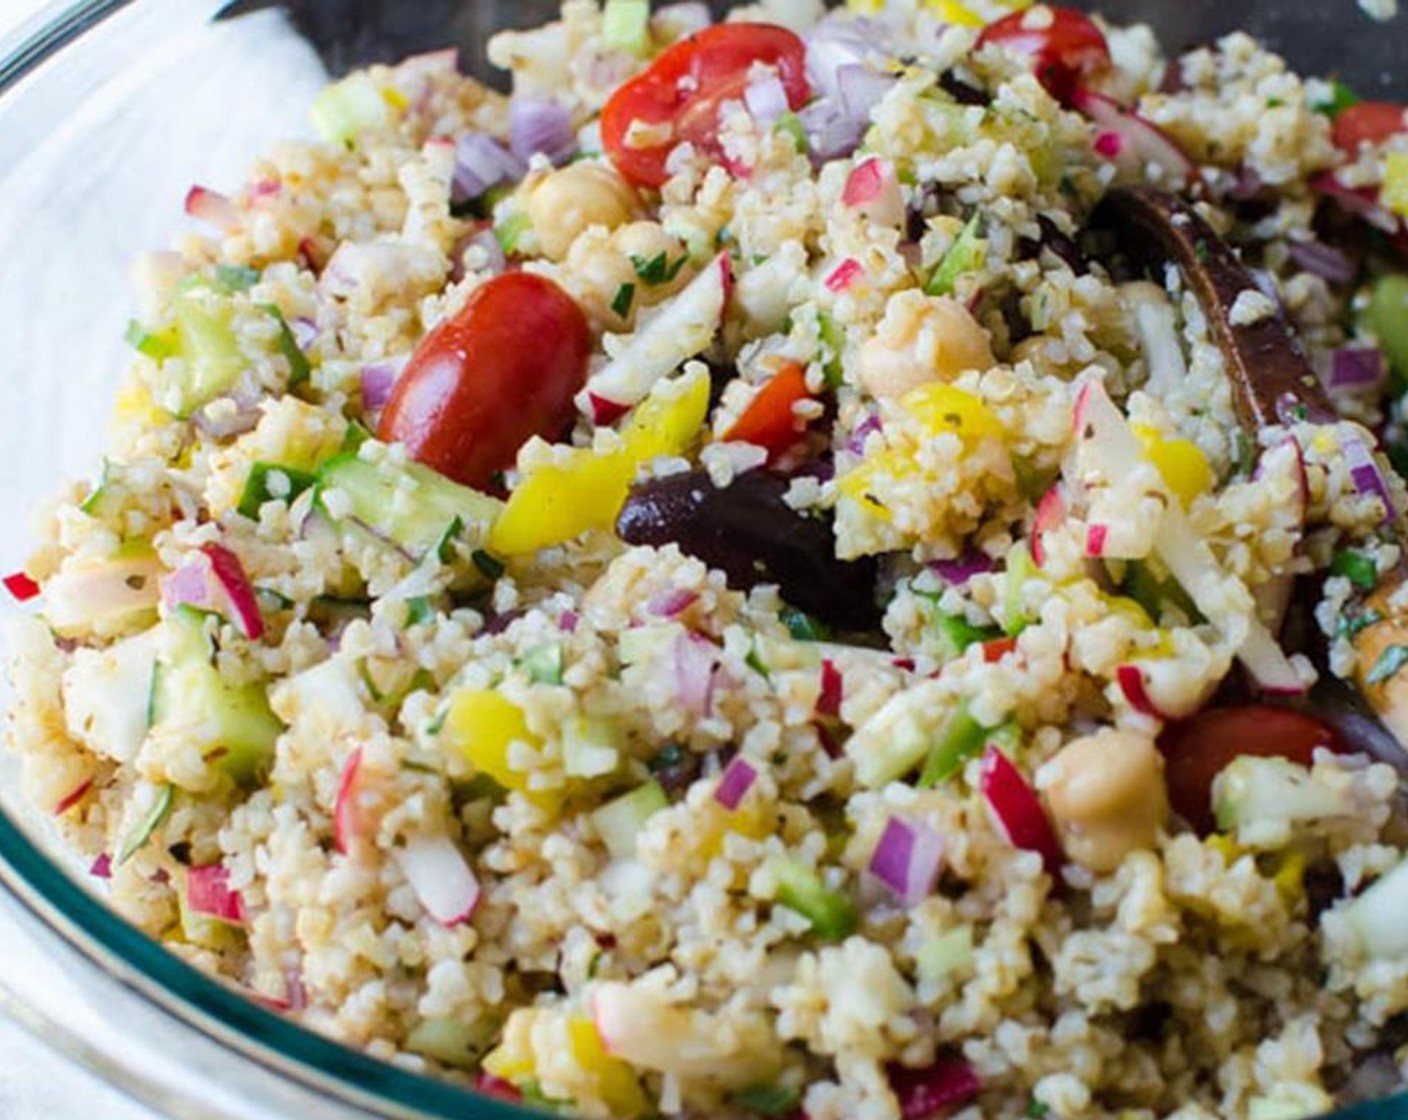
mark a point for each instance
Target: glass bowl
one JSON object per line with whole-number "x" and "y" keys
{"x": 109, "y": 110}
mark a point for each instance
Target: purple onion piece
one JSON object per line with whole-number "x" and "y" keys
{"x": 541, "y": 125}
{"x": 696, "y": 658}
{"x": 1367, "y": 478}
{"x": 766, "y": 99}
{"x": 738, "y": 778}
{"x": 672, "y": 602}
{"x": 861, "y": 89}
{"x": 102, "y": 867}
{"x": 831, "y": 131}
{"x": 907, "y": 859}
{"x": 305, "y": 331}
{"x": 960, "y": 571}
{"x": 1324, "y": 261}
{"x": 482, "y": 162}
{"x": 1357, "y": 367}
{"x": 568, "y": 622}
{"x": 856, "y": 443}
{"x": 377, "y": 382}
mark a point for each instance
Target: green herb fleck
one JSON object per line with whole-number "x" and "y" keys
{"x": 1359, "y": 569}
{"x": 833, "y": 341}
{"x": 768, "y": 1100}
{"x": 491, "y": 567}
{"x": 155, "y": 345}
{"x": 445, "y": 546}
{"x": 658, "y": 269}
{"x": 1036, "y": 1109}
{"x": 670, "y": 756}
{"x": 804, "y": 627}
{"x": 1388, "y": 664}
{"x": 1201, "y": 250}
{"x": 1341, "y": 98}
{"x": 791, "y": 124}
{"x": 511, "y": 230}
{"x": 231, "y": 278}
{"x": 419, "y": 609}
{"x": 1274, "y": 102}
{"x": 755, "y": 661}
{"x": 625, "y": 296}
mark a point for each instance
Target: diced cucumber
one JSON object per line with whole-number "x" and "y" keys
{"x": 961, "y": 738}
{"x": 106, "y": 695}
{"x": 618, "y": 822}
{"x": 157, "y": 345}
{"x": 299, "y": 369}
{"x": 948, "y": 953}
{"x": 641, "y": 645}
{"x": 348, "y": 108}
{"x": 145, "y": 825}
{"x": 1386, "y": 315}
{"x": 1255, "y": 793}
{"x": 832, "y": 914}
{"x": 1020, "y": 569}
{"x": 543, "y": 664}
{"x": 408, "y": 504}
{"x": 625, "y": 25}
{"x": 804, "y": 627}
{"x": 590, "y": 747}
{"x": 213, "y": 361}
{"x": 269, "y": 482}
{"x": 1377, "y": 915}
{"x": 229, "y": 723}
{"x": 955, "y": 634}
{"x": 452, "y": 1041}
{"x": 965, "y": 254}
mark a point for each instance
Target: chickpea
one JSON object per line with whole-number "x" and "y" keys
{"x": 574, "y": 198}
{"x": 1106, "y": 795}
{"x": 922, "y": 339}
{"x": 600, "y": 262}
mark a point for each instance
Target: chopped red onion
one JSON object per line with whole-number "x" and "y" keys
{"x": 1247, "y": 184}
{"x": 671, "y": 602}
{"x": 926, "y": 1093}
{"x": 1357, "y": 367}
{"x": 482, "y": 162}
{"x": 568, "y": 622}
{"x": 606, "y": 411}
{"x": 441, "y": 878}
{"x": 295, "y": 993}
{"x": 833, "y": 687}
{"x": 845, "y": 274}
{"x": 1016, "y": 810}
{"x": 377, "y": 382}
{"x": 232, "y": 415}
{"x": 831, "y": 131}
{"x": 190, "y": 584}
{"x": 208, "y": 892}
{"x": 1096, "y": 536}
{"x": 856, "y": 443}
{"x": 840, "y": 41}
{"x": 907, "y": 859}
{"x": 102, "y": 867}
{"x": 738, "y": 778}
{"x": 305, "y": 331}
{"x": 1365, "y": 474}
{"x": 861, "y": 89}
{"x": 541, "y": 125}
{"x": 766, "y": 99}
{"x": 695, "y": 661}
{"x": 1324, "y": 261}
{"x": 960, "y": 571}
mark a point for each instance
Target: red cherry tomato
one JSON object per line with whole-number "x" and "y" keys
{"x": 769, "y": 420}
{"x": 1197, "y": 750}
{"x": 684, "y": 88}
{"x": 502, "y": 369}
{"x": 1063, "y": 52}
{"x": 1368, "y": 122}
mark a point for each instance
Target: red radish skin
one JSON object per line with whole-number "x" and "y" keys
{"x": 21, "y": 587}
{"x": 347, "y": 815}
{"x": 73, "y": 798}
{"x": 1050, "y": 512}
{"x": 846, "y": 274}
{"x": 864, "y": 183}
{"x": 208, "y": 892}
{"x": 230, "y": 575}
{"x": 1096, "y": 537}
{"x": 828, "y": 701}
{"x": 212, "y": 208}
{"x": 1131, "y": 681}
{"x": 1016, "y": 810}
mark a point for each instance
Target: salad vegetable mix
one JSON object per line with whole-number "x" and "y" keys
{"x": 830, "y": 564}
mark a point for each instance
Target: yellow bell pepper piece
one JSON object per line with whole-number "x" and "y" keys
{"x": 942, "y": 408}
{"x": 586, "y": 489}
{"x": 859, "y": 485}
{"x": 512, "y": 1059}
{"x": 1290, "y": 877}
{"x": 136, "y": 407}
{"x": 616, "y": 1082}
{"x": 1181, "y": 463}
{"x": 1395, "y": 191}
{"x": 484, "y": 724}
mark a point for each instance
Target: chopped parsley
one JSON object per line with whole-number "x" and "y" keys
{"x": 768, "y": 1100}
{"x": 1036, "y": 1109}
{"x": 791, "y": 124}
{"x": 658, "y": 269}
{"x": 1359, "y": 569}
{"x": 1388, "y": 664}
{"x": 803, "y": 626}
{"x": 419, "y": 609}
{"x": 625, "y": 296}
{"x": 491, "y": 567}
{"x": 1341, "y": 98}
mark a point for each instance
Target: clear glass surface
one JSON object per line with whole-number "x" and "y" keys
{"x": 109, "y": 111}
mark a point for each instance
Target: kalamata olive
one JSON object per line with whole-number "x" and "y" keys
{"x": 500, "y": 370}
{"x": 753, "y": 536}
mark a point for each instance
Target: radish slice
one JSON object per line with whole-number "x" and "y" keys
{"x": 908, "y": 858}
{"x": 1096, "y": 536}
{"x": 873, "y": 190}
{"x": 677, "y": 332}
{"x": 1363, "y": 202}
{"x": 1165, "y": 688}
{"x": 1113, "y": 449}
{"x": 348, "y": 820}
{"x": 212, "y": 208}
{"x": 229, "y": 574}
{"x": 208, "y": 892}
{"x": 441, "y": 878}
{"x": 1050, "y": 512}
{"x": 1016, "y": 810}
{"x": 846, "y": 273}
{"x": 828, "y": 700}
{"x": 672, "y": 602}
{"x": 1131, "y": 141}
{"x": 738, "y": 778}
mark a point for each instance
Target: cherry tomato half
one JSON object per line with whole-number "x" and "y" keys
{"x": 502, "y": 369}
{"x": 1063, "y": 52}
{"x": 684, "y": 88}
{"x": 1368, "y": 122}
{"x": 1197, "y": 750}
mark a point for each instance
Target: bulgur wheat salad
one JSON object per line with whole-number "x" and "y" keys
{"x": 830, "y": 564}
